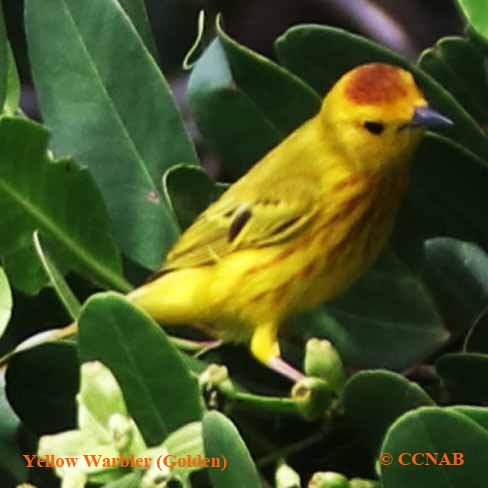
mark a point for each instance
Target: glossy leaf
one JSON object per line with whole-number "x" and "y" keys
{"x": 5, "y": 301}
{"x": 329, "y": 43}
{"x": 59, "y": 199}
{"x": 435, "y": 430}
{"x": 4, "y": 59}
{"x": 458, "y": 65}
{"x": 465, "y": 375}
{"x": 57, "y": 280}
{"x": 457, "y": 274}
{"x": 222, "y": 439}
{"x": 29, "y": 279}
{"x": 229, "y": 121}
{"x": 370, "y": 331}
{"x": 136, "y": 10}
{"x": 159, "y": 391}
{"x": 478, "y": 414}
{"x": 42, "y": 383}
{"x": 263, "y": 101}
{"x": 110, "y": 107}
{"x": 373, "y": 400}
{"x": 286, "y": 100}
{"x": 12, "y": 99}
{"x": 477, "y": 339}
{"x": 189, "y": 191}
{"x": 430, "y": 209}
{"x": 12, "y": 467}
{"x": 476, "y": 14}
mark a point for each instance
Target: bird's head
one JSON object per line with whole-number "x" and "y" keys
{"x": 375, "y": 116}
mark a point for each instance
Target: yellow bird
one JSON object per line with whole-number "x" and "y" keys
{"x": 304, "y": 223}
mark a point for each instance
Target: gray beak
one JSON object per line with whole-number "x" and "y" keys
{"x": 429, "y": 118}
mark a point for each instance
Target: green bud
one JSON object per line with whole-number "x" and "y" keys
{"x": 287, "y": 477}
{"x": 328, "y": 479}
{"x": 323, "y": 361}
{"x": 313, "y": 397}
{"x": 215, "y": 376}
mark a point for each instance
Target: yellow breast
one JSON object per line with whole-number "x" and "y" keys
{"x": 347, "y": 235}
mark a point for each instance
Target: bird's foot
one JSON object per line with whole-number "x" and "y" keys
{"x": 282, "y": 367}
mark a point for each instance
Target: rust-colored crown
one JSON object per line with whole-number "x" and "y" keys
{"x": 376, "y": 83}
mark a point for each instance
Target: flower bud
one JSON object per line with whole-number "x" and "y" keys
{"x": 328, "y": 479}
{"x": 313, "y": 397}
{"x": 215, "y": 377}
{"x": 323, "y": 361}
{"x": 287, "y": 477}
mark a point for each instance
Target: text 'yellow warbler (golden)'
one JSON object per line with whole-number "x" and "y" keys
{"x": 304, "y": 223}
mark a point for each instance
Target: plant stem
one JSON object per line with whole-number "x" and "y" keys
{"x": 257, "y": 402}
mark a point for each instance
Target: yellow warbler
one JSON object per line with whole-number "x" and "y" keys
{"x": 304, "y": 223}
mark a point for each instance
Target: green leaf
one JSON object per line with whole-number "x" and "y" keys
{"x": 478, "y": 414}
{"x": 222, "y": 440}
{"x": 458, "y": 65}
{"x": 12, "y": 99}
{"x": 11, "y": 463}
{"x": 477, "y": 339}
{"x": 328, "y": 43}
{"x": 189, "y": 191}
{"x": 25, "y": 270}
{"x": 465, "y": 375}
{"x": 109, "y": 106}
{"x": 136, "y": 10}
{"x": 286, "y": 100}
{"x": 42, "y": 384}
{"x": 244, "y": 103}
{"x": 370, "y": 331}
{"x": 4, "y": 60}
{"x": 435, "y": 430}
{"x": 68, "y": 299}
{"x": 476, "y": 14}
{"x": 457, "y": 274}
{"x": 430, "y": 209}
{"x": 229, "y": 121}
{"x": 159, "y": 391}
{"x": 59, "y": 199}
{"x": 5, "y": 302}
{"x": 374, "y": 399}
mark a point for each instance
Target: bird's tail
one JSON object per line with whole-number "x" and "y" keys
{"x": 175, "y": 297}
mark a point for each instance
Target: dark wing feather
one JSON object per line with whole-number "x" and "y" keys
{"x": 240, "y": 219}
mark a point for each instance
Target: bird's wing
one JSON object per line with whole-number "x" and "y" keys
{"x": 242, "y": 219}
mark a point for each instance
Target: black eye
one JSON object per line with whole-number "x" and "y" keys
{"x": 374, "y": 127}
